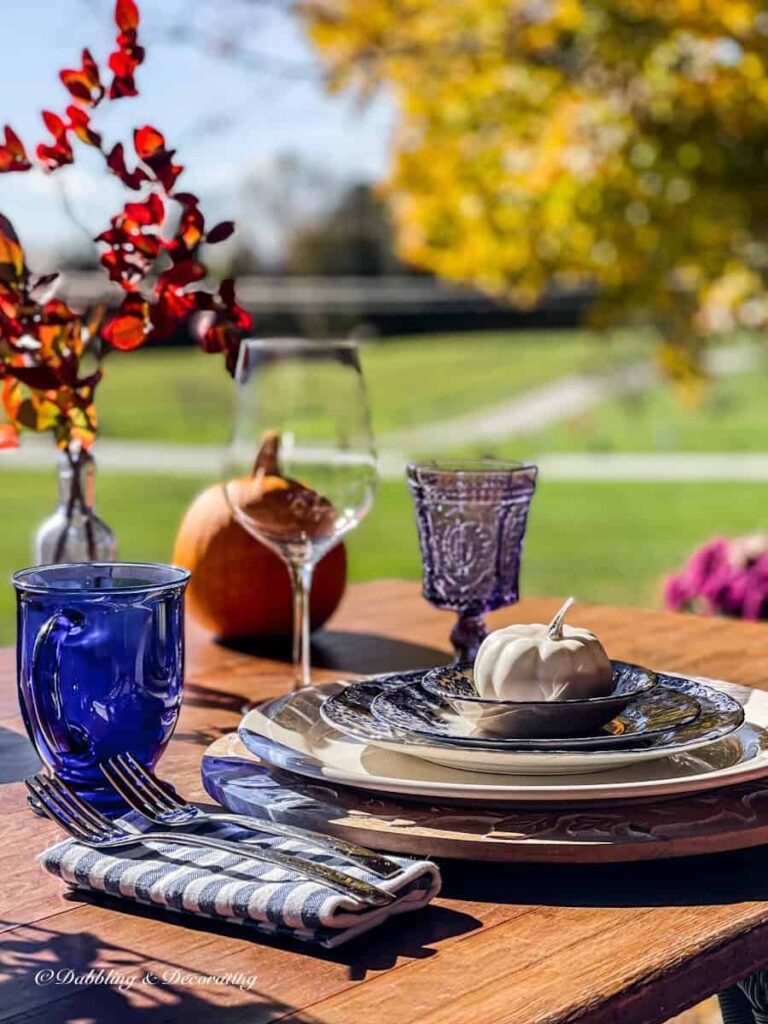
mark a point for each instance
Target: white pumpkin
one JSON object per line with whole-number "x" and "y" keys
{"x": 542, "y": 662}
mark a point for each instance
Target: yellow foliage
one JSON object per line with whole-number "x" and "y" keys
{"x": 622, "y": 143}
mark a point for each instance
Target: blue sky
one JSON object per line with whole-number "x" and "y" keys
{"x": 229, "y": 117}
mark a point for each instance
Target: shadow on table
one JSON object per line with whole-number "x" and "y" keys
{"x": 377, "y": 950}
{"x": 208, "y": 698}
{"x": 736, "y": 877}
{"x": 17, "y": 757}
{"x": 38, "y": 984}
{"x": 364, "y": 653}
{"x": 404, "y": 938}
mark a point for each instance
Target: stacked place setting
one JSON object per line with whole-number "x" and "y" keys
{"x": 542, "y": 715}
{"x": 542, "y": 699}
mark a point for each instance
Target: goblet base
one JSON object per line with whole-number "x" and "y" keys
{"x": 467, "y": 635}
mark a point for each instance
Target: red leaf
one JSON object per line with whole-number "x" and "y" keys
{"x": 182, "y": 274}
{"x": 147, "y": 245}
{"x": 176, "y": 304}
{"x": 186, "y": 198}
{"x": 54, "y": 124}
{"x": 8, "y": 436}
{"x": 126, "y": 15}
{"x": 150, "y": 147}
{"x": 150, "y": 212}
{"x": 124, "y": 65}
{"x": 148, "y": 141}
{"x": 81, "y": 125}
{"x": 13, "y": 156}
{"x": 53, "y": 157}
{"x": 58, "y": 312}
{"x": 227, "y": 292}
{"x": 220, "y": 232}
{"x": 191, "y": 227}
{"x": 60, "y": 153}
{"x": 116, "y": 163}
{"x": 84, "y": 84}
{"x": 42, "y": 378}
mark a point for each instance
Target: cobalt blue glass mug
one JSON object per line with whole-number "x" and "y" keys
{"x": 100, "y": 661}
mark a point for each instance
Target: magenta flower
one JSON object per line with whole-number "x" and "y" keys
{"x": 723, "y": 577}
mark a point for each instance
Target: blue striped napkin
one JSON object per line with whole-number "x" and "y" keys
{"x": 265, "y": 897}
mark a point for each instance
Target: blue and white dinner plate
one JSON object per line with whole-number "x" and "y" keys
{"x": 351, "y": 712}
{"x": 411, "y": 710}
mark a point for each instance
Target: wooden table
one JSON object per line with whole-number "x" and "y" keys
{"x": 623, "y": 943}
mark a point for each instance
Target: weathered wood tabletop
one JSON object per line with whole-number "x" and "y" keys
{"x": 513, "y": 944}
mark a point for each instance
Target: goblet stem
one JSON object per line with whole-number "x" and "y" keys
{"x": 467, "y": 635}
{"x": 301, "y": 584}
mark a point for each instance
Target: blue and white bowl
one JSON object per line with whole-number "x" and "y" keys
{"x": 537, "y": 718}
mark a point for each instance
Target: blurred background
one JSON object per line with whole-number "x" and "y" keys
{"x": 548, "y": 252}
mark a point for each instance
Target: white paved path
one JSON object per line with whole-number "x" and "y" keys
{"x": 534, "y": 410}
{"x": 551, "y": 403}
{"x": 204, "y": 461}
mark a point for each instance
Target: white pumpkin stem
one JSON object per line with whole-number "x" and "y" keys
{"x": 555, "y": 628}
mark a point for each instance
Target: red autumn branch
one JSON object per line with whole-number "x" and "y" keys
{"x": 42, "y": 340}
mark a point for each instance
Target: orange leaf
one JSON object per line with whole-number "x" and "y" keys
{"x": 128, "y": 330}
{"x": 148, "y": 141}
{"x": 84, "y": 84}
{"x": 11, "y": 252}
{"x": 8, "y": 436}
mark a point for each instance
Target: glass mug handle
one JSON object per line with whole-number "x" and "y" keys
{"x": 45, "y": 703}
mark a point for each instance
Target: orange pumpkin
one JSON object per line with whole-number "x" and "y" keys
{"x": 238, "y": 586}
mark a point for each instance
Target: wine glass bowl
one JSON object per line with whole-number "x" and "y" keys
{"x": 301, "y": 471}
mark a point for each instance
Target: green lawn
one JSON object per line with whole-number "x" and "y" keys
{"x": 601, "y": 542}
{"x": 184, "y": 395}
{"x": 731, "y": 418}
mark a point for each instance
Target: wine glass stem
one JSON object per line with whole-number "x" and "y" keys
{"x": 301, "y": 584}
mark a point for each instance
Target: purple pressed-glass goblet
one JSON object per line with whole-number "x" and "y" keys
{"x": 471, "y": 518}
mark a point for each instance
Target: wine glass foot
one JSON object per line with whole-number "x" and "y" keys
{"x": 467, "y": 635}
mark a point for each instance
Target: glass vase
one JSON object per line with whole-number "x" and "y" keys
{"x": 74, "y": 533}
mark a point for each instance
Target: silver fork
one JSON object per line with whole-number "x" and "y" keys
{"x": 144, "y": 792}
{"x": 84, "y": 823}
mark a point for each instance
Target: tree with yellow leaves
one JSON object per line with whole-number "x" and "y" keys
{"x": 619, "y": 143}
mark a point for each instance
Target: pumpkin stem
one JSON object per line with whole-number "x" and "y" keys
{"x": 266, "y": 460}
{"x": 555, "y": 628}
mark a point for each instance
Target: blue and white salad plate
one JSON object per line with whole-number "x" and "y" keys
{"x": 413, "y": 711}
{"x": 353, "y": 711}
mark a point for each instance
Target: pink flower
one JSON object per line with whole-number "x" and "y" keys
{"x": 677, "y": 593}
{"x": 706, "y": 560}
{"x": 724, "y": 578}
{"x": 755, "y": 603}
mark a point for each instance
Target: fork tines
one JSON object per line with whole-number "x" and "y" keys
{"x": 138, "y": 786}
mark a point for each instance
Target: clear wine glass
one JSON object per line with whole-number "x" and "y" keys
{"x": 301, "y": 471}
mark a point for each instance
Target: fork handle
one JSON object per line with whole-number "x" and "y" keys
{"x": 348, "y": 885}
{"x": 374, "y": 862}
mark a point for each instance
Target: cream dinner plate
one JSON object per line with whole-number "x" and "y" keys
{"x": 290, "y": 733}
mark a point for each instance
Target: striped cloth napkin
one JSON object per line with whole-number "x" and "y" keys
{"x": 261, "y": 896}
